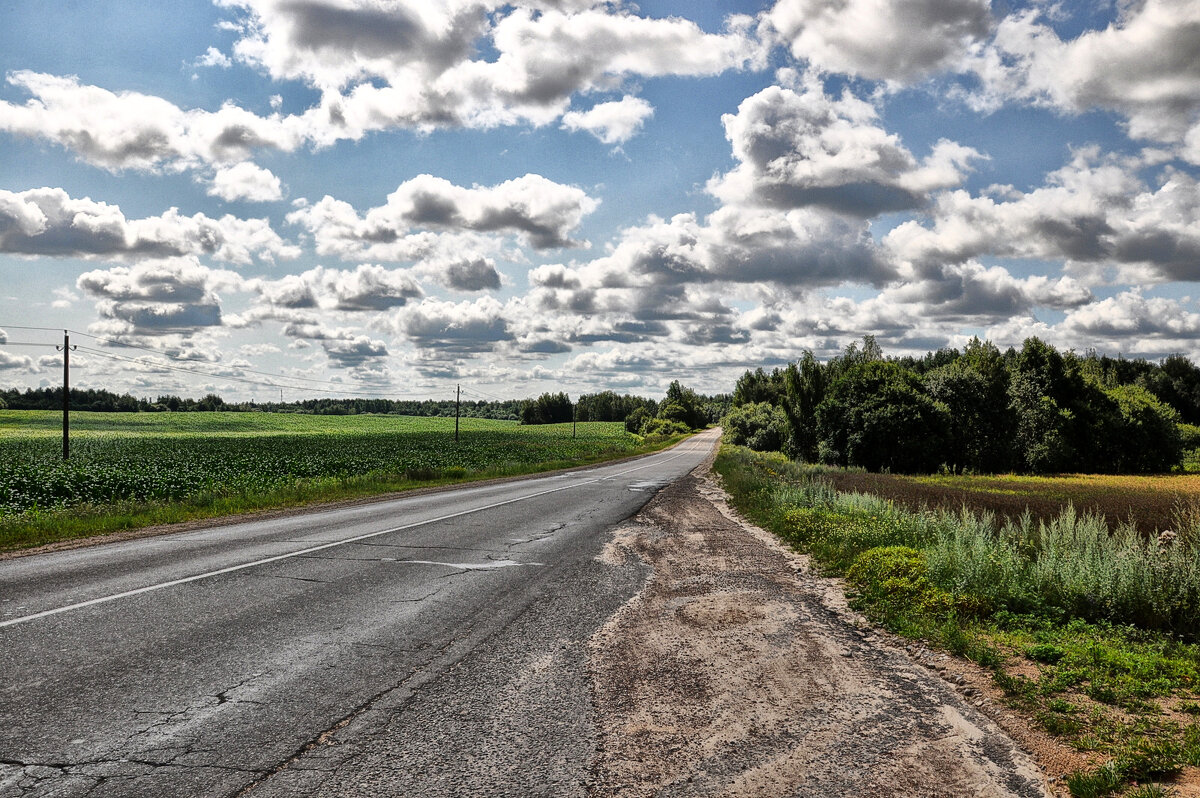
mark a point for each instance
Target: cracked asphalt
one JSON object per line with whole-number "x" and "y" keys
{"x": 271, "y": 658}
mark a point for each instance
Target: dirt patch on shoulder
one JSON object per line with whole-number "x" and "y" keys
{"x": 737, "y": 672}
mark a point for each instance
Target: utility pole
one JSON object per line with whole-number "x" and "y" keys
{"x": 66, "y": 350}
{"x": 574, "y": 417}
{"x": 457, "y": 399}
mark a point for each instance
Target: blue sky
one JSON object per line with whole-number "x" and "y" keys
{"x": 389, "y": 197}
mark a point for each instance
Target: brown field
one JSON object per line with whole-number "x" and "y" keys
{"x": 1151, "y": 502}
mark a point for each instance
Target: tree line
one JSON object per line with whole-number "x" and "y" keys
{"x": 99, "y": 400}
{"x": 681, "y": 410}
{"x": 1033, "y": 410}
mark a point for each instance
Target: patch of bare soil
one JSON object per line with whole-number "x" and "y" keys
{"x": 737, "y": 671}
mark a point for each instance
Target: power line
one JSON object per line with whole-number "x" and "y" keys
{"x": 24, "y": 343}
{"x": 19, "y": 327}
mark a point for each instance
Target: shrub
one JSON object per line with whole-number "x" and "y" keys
{"x": 758, "y": 426}
{"x": 893, "y": 581}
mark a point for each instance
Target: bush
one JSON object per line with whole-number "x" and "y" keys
{"x": 664, "y": 428}
{"x": 1189, "y": 435}
{"x": 893, "y": 581}
{"x": 758, "y": 426}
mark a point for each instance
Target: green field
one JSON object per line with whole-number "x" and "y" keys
{"x": 130, "y": 469}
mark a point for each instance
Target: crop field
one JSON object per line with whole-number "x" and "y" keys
{"x": 235, "y": 459}
{"x": 1149, "y": 502}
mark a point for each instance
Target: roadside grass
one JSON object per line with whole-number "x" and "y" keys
{"x": 1089, "y": 629}
{"x": 135, "y": 470}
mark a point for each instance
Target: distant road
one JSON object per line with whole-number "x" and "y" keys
{"x": 204, "y": 663}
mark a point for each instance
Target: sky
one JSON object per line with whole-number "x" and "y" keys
{"x": 394, "y": 197}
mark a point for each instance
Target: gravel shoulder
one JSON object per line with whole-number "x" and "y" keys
{"x": 737, "y": 671}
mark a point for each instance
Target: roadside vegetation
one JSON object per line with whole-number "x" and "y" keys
{"x": 978, "y": 410}
{"x": 136, "y": 469}
{"x": 1090, "y": 628}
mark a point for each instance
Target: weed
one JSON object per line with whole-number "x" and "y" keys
{"x": 1099, "y": 783}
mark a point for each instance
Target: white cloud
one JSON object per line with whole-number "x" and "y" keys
{"x": 49, "y": 222}
{"x": 799, "y": 148}
{"x": 129, "y": 130}
{"x": 423, "y": 54}
{"x": 612, "y": 122}
{"x": 539, "y": 210}
{"x": 455, "y": 328}
{"x": 10, "y": 361}
{"x": 899, "y": 41}
{"x": 245, "y": 181}
{"x": 170, "y": 297}
{"x": 365, "y": 288}
{"x": 1143, "y": 65}
{"x": 213, "y": 58}
{"x": 1094, "y": 213}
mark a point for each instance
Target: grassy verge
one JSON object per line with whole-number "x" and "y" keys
{"x": 37, "y": 527}
{"x": 1089, "y": 632}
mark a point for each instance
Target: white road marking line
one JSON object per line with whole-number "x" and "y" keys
{"x": 183, "y": 581}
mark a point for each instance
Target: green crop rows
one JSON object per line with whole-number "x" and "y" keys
{"x": 129, "y": 457}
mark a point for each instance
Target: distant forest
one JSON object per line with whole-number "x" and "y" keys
{"x": 546, "y": 409}
{"x": 106, "y": 401}
{"x": 981, "y": 410}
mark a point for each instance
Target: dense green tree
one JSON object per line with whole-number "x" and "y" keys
{"x": 877, "y": 416}
{"x": 979, "y": 431}
{"x": 804, "y": 390}
{"x": 684, "y": 406}
{"x": 637, "y": 420}
{"x": 759, "y": 386}
{"x": 1148, "y": 435}
{"x": 549, "y": 408}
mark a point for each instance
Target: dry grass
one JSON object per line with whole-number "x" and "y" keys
{"x": 1150, "y": 502}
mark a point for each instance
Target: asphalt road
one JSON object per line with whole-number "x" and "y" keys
{"x": 429, "y": 645}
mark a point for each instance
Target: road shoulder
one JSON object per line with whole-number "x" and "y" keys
{"x": 738, "y": 671}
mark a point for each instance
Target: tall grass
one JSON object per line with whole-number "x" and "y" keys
{"x": 1071, "y": 566}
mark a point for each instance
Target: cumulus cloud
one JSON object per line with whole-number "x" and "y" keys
{"x": 464, "y": 274}
{"x": 1132, "y": 315}
{"x": 612, "y": 122}
{"x": 355, "y": 353}
{"x": 1143, "y": 65}
{"x": 245, "y": 181}
{"x": 900, "y": 41}
{"x": 10, "y": 361}
{"x": 49, "y": 222}
{"x": 365, "y": 288}
{"x": 172, "y": 297}
{"x": 455, "y": 328}
{"x": 404, "y": 63}
{"x": 539, "y": 210}
{"x": 1093, "y": 213}
{"x": 213, "y": 58}
{"x": 380, "y": 66}
{"x": 129, "y": 130}
{"x": 971, "y": 292}
{"x": 802, "y": 147}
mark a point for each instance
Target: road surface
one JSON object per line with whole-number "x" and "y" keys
{"x": 254, "y": 658}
